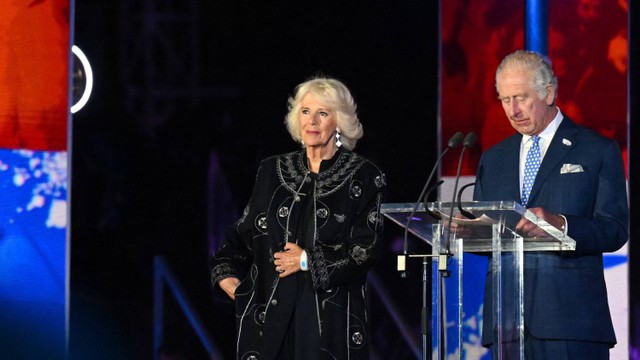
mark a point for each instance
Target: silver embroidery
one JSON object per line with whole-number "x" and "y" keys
{"x": 292, "y": 165}
{"x": 357, "y": 338}
{"x": 373, "y": 217}
{"x": 358, "y": 254}
{"x": 219, "y": 272}
{"x": 322, "y": 213}
{"x": 252, "y": 355}
{"x": 356, "y": 191}
{"x": 261, "y": 222}
{"x": 260, "y": 315}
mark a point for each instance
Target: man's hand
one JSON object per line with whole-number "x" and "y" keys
{"x": 531, "y": 230}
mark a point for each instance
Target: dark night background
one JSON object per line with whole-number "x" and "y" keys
{"x": 184, "y": 85}
{"x": 190, "y": 94}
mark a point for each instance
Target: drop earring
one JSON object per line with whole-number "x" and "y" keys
{"x": 338, "y": 142}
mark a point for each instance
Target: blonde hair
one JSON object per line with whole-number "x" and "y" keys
{"x": 333, "y": 94}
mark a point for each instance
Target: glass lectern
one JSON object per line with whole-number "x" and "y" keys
{"x": 488, "y": 230}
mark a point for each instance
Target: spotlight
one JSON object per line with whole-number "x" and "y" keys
{"x": 82, "y": 79}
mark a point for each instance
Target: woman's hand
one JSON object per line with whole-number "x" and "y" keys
{"x": 229, "y": 285}
{"x": 287, "y": 262}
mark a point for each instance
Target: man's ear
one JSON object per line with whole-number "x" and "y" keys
{"x": 551, "y": 94}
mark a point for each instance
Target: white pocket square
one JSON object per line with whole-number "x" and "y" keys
{"x": 571, "y": 168}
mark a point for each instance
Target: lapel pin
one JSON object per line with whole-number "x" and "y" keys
{"x": 566, "y": 142}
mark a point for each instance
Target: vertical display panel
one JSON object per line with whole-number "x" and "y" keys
{"x": 33, "y": 219}
{"x": 34, "y": 88}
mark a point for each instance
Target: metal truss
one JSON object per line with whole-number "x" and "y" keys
{"x": 160, "y": 60}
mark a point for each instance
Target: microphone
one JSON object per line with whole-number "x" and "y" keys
{"x": 455, "y": 140}
{"x": 469, "y": 140}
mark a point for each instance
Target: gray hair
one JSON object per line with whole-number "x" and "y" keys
{"x": 538, "y": 65}
{"x": 333, "y": 94}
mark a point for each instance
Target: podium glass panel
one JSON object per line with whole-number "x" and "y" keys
{"x": 489, "y": 234}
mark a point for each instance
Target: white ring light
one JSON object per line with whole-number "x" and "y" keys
{"x": 89, "y": 85}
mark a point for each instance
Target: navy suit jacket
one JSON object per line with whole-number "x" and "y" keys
{"x": 565, "y": 293}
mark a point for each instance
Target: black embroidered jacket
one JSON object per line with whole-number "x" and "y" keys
{"x": 335, "y": 216}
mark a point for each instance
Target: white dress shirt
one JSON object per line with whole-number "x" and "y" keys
{"x": 545, "y": 139}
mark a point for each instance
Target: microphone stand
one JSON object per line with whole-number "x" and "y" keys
{"x": 468, "y": 141}
{"x": 443, "y": 268}
{"x": 426, "y": 263}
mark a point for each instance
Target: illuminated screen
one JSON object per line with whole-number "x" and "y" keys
{"x": 588, "y": 48}
{"x": 32, "y": 251}
{"x": 34, "y": 79}
{"x": 34, "y": 74}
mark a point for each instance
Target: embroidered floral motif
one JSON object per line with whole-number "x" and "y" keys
{"x": 252, "y": 355}
{"x": 261, "y": 222}
{"x": 291, "y": 166}
{"x": 220, "y": 272}
{"x": 359, "y": 254}
{"x": 357, "y": 338}
{"x": 355, "y": 191}
{"x": 373, "y": 217}
{"x": 341, "y": 263}
{"x": 318, "y": 267}
{"x": 322, "y": 213}
{"x": 260, "y": 314}
{"x": 283, "y": 211}
{"x": 339, "y": 217}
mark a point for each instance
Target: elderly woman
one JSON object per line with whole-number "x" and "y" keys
{"x": 296, "y": 262}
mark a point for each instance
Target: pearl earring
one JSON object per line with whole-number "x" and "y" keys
{"x": 338, "y": 142}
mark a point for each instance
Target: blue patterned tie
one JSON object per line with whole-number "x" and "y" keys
{"x": 531, "y": 166}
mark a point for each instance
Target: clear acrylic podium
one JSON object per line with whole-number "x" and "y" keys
{"x": 490, "y": 234}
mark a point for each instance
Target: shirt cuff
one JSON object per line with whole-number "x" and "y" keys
{"x": 565, "y": 226}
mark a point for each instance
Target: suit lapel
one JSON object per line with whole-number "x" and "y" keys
{"x": 511, "y": 173}
{"x": 563, "y": 141}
